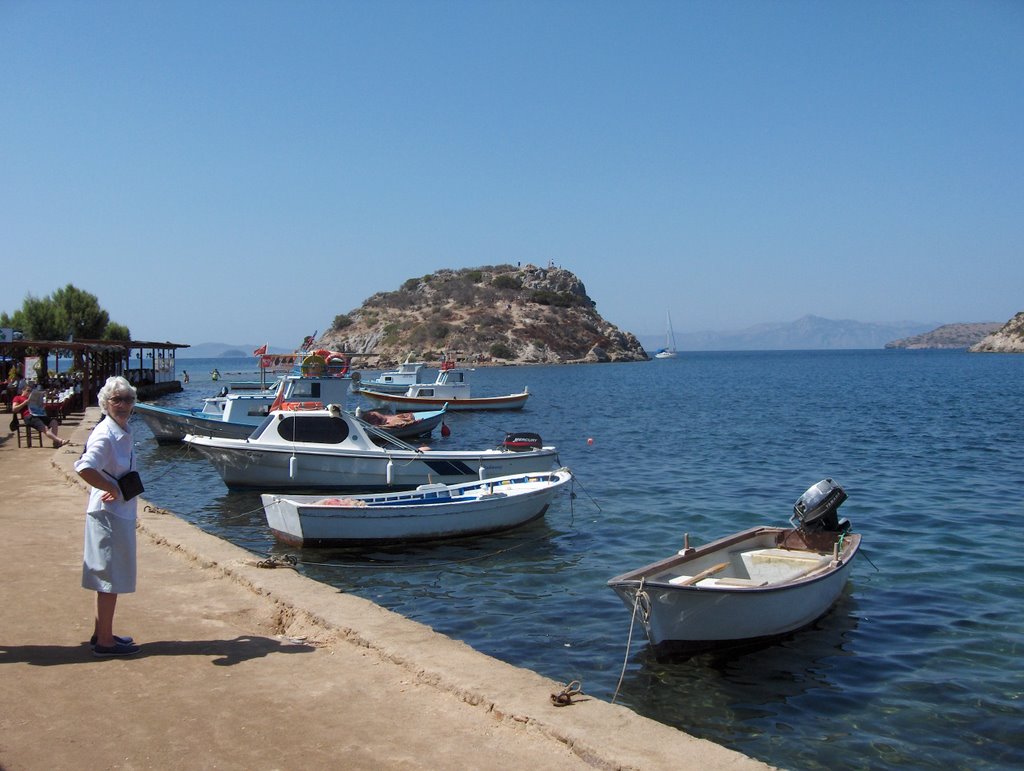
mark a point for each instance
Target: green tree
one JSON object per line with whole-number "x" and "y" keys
{"x": 67, "y": 312}
{"x": 43, "y": 319}
{"x": 82, "y": 313}
{"x": 115, "y": 331}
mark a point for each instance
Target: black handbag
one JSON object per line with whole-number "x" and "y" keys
{"x": 131, "y": 485}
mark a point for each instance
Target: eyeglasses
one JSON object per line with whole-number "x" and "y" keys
{"x": 121, "y": 400}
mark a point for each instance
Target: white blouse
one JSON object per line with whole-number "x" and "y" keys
{"x": 110, "y": 450}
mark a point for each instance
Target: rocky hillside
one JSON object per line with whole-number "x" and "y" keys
{"x": 948, "y": 336}
{"x": 501, "y": 314}
{"x": 1008, "y": 339}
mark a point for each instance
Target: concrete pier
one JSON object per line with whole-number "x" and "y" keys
{"x": 248, "y": 668}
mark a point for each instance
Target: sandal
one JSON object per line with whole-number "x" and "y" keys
{"x": 117, "y": 640}
{"x": 117, "y": 649}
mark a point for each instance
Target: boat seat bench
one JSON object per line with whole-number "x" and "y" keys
{"x": 778, "y": 565}
{"x": 762, "y": 566}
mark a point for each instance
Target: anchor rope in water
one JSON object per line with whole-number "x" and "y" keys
{"x": 169, "y": 466}
{"x": 629, "y": 639}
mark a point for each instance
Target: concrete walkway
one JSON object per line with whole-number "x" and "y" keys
{"x": 249, "y": 668}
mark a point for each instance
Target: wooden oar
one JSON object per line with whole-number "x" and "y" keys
{"x": 703, "y": 574}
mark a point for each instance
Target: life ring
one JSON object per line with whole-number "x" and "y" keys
{"x": 313, "y": 364}
{"x": 337, "y": 365}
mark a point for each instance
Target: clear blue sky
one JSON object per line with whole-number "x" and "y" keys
{"x": 245, "y": 171}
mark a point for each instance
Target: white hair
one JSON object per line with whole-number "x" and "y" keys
{"x": 115, "y": 386}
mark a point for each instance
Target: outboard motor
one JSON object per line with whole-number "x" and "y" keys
{"x": 522, "y": 440}
{"x": 817, "y": 509}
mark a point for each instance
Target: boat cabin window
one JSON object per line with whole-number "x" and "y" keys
{"x": 321, "y": 429}
{"x": 304, "y": 391}
{"x": 425, "y": 392}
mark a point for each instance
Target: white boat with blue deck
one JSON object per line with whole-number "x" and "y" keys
{"x": 431, "y": 511}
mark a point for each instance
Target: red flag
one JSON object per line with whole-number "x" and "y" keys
{"x": 260, "y": 351}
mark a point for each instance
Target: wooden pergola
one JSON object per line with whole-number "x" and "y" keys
{"x": 149, "y": 366}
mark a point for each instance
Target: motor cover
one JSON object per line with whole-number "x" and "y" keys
{"x": 817, "y": 509}
{"x": 522, "y": 440}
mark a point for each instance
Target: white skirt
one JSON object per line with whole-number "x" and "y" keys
{"x": 108, "y": 562}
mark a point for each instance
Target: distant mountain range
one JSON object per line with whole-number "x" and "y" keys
{"x": 806, "y": 333}
{"x": 223, "y": 350}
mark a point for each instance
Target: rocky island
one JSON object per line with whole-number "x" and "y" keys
{"x": 502, "y": 314}
{"x": 948, "y": 336}
{"x": 1007, "y": 339}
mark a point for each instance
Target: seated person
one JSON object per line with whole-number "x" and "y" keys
{"x": 30, "y": 407}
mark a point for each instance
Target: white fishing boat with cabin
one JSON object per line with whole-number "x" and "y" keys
{"x": 332, "y": 449}
{"x": 451, "y": 387}
{"x": 398, "y": 381}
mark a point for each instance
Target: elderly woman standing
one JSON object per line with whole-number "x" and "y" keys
{"x": 108, "y": 565}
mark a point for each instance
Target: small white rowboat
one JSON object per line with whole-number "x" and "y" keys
{"x": 756, "y": 584}
{"x": 431, "y": 511}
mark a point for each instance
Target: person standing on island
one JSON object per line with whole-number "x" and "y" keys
{"x": 109, "y": 563}
{"x": 30, "y": 406}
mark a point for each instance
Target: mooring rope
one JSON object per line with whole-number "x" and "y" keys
{"x": 564, "y": 697}
{"x": 629, "y": 639}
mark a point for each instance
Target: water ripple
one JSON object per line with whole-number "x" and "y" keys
{"x": 915, "y": 665}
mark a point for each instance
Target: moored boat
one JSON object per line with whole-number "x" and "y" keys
{"x": 236, "y": 415}
{"x": 669, "y": 351}
{"x": 753, "y": 585}
{"x": 451, "y": 387}
{"x": 430, "y": 511}
{"x": 332, "y": 449}
{"x": 398, "y": 381}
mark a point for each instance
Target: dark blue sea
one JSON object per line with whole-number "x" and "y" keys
{"x": 919, "y": 663}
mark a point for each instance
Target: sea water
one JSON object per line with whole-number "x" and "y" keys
{"x": 917, "y": 665}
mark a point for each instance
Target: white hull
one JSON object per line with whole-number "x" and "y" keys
{"x": 264, "y": 468}
{"x": 762, "y": 591}
{"x": 170, "y": 426}
{"x": 333, "y": 450}
{"x": 455, "y": 403}
{"x": 669, "y": 351}
{"x": 440, "y": 511}
{"x": 408, "y": 374}
{"x": 452, "y": 388}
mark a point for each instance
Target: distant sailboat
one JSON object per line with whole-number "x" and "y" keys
{"x": 669, "y": 351}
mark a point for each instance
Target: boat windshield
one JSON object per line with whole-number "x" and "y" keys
{"x": 314, "y": 429}
{"x": 261, "y": 427}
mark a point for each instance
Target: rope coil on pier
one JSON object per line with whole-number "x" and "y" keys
{"x": 564, "y": 697}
